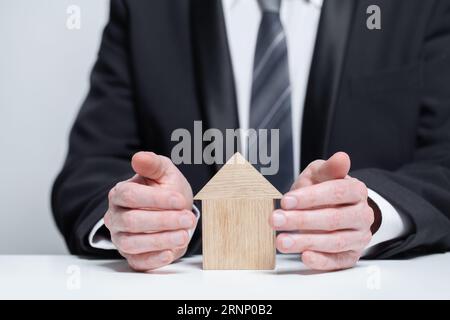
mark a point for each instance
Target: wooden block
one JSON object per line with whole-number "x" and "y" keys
{"x": 236, "y": 205}
{"x": 237, "y": 235}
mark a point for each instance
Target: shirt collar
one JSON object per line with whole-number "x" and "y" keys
{"x": 231, "y": 3}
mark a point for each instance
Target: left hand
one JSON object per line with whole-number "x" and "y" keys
{"x": 327, "y": 215}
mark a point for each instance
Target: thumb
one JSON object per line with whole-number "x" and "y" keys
{"x": 337, "y": 167}
{"x": 150, "y": 165}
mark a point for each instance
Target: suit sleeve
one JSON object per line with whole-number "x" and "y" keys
{"x": 102, "y": 141}
{"x": 421, "y": 189}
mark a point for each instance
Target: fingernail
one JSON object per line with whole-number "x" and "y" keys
{"x": 178, "y": 239}
{"x": 278, "y": 219}
{"x": 287, "y": 242}
{"x": 289, "y": 203}
{"x": 185, "y": 221}
{"x": 165, "y": 256}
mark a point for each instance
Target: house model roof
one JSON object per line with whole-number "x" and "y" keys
{"x": 238, "y": 179}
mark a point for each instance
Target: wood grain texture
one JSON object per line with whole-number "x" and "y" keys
{"x": 236, "y": 205}
{"x": 237, "y": 234}
{"x": 238, "y": 179}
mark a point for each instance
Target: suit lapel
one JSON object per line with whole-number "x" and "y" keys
{"x": 214, "y": 73}
{"x": 325, "y": 77}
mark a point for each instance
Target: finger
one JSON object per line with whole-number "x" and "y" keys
{"x": 330, "y": 261}
{"x": 305, "y": 178}
{"x": 142, "y": 221}
{"x": 332, "y": 242}
{"x": 328, "y": 193}
{"x": 130, "y": 243}
{"x": 150, "y": 260}
{"x": 150, "y": 165}
{"x": 328, "y": 219}
{"x": 138, "y": 196}
{"x": 336, "y": 167}
{"x": 179, "y": 253}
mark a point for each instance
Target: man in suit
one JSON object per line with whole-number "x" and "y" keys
{"x": 313, "y": 69}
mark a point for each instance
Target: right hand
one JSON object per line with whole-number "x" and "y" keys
{"x": 150, "y": 215}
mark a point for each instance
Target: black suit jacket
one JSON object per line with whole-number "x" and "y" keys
{"x": 383, "y": 96}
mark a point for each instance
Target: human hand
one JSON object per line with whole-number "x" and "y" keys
{"x": 150, "y": 215}
{"x": 327, "y": 215}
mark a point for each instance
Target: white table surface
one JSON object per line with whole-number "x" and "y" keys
{"x": 69, "y": 277}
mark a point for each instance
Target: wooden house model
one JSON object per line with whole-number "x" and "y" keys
{"x": 236, "y": 206}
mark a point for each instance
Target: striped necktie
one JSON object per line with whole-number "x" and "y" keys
{"x": 271, "y": 90}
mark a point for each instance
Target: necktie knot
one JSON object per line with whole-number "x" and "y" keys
{"x": 271, "y": 6}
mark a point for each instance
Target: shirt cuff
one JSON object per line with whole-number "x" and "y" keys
{"x": 393, "y": 224}
{"x": 99, "y": 241}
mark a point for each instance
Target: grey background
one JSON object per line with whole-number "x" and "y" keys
{"x": 44, "y": 70}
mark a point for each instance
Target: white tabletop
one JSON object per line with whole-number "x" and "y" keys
{"x": 69, "y": 277}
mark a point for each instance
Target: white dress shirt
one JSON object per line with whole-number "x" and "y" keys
{"x": 300, "y": 19}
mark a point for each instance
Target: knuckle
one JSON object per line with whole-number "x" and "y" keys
{"x": 107, "y": 219}
{"x": 155, "y": 243}
{"x": 349, "y": 260}
{"x": 177, "y": 199}
{"x": 339, "y": 191}
{"x": 369, "y": 216}
{"x": 129, "y": 221}
{"x": 150, "y": 263}
{"x": 362, "y": 189}
{"x": 180, "y": 252}
{"x": 311, "y": 195}
{"x": 340, "y": 261}
{"x": 128, "y": 196}
{"x": 311, "y": 167}
{"x": 166, "y": 163}
{"x": 159, "y": 222}
{"x": 165, "y": 160}
{"x": 125, "y": 244}
{"x": 111, "y": 195}
{"x": 134, "y": 264}
{"x": 174, "y": 195}
{"x": 139, "y": 265}
{"x": 317, "y": 163}
{"x": 296, "y": 185}
{"x": 185, "y": 236}
{"x": 114, "y": 240}
{"x": 345, "y": 261}
{"x": 334, "y": 220}
{"x": 366, "y": 238}
{"x": 139, "y": 153}
{"x": 166, "y": 258}
{"x": 354, "y": 256}
{"x": 341, "y": 243}
{"x": 119, "y": 187}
